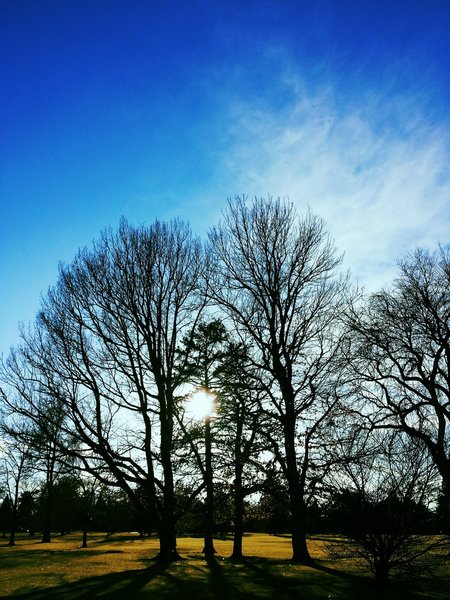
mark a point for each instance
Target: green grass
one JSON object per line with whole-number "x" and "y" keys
{"x": 121, "y": 567}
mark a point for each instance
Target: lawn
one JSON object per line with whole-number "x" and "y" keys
{"x": 121, "y": 567}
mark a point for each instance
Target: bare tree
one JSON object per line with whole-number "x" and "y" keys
{"x": 274, "y": 277}
{"x": 16, "y": 470}
{"x": 402, "y": 358}
{"x": 384, "y": 488}
{"x": 105, "y": 346}
{"x": 35, "y": 420}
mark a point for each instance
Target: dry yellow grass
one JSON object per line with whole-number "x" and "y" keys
{"x": 121, "y": 567}
{"x": 122, "y": 552}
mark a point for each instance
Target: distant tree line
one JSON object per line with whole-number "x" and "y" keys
{"x": 332, "y": 405}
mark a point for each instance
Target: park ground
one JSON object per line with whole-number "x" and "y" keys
{"x": 120, "y": 566}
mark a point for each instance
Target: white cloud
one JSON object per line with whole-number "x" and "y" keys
{"x": 377, "y": 172}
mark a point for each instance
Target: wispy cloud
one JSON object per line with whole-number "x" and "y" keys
{"x": 375, "y": 168}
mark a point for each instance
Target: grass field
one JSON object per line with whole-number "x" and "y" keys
{"x": 121, "y": 567}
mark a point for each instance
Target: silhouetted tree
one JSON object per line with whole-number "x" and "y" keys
{"x": 27, "y": 511}
{"x": 67, "y": 509}
{"x": 35, "y": 420}
{"x": 274, "y": 276}
{"x": 238, "y": 435}
{"x": 105, "y": 347}
{"x": 15, "y": 472}
{"x": 443, "y": 511}
{"x": 88, "y": 491}
{"x": 5, "y": 515}
{"x": 402, "y": 358}
{"x": 113, "y": 512}
{"x": 273, "y": 505}
{"x": 382, "y": 505}
{"x": 217, "y": 364}
{"x": 203, "y": 352}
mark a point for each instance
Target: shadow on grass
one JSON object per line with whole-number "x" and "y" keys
{"x": 217, "y": 536}
{"x": 223, "y": 584}
{"x": 216, "y": 578}
{"x": 314, "y": 581}
{"x": 126, "y": 584}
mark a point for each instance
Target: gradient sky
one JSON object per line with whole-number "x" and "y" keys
{"x": 163, "y": 108}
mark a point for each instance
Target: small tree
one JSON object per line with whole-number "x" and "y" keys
{"x": 238, "y": 434}
{"x": 27, "y": 511}
{"x": 273, "y": 505}
{"x": 67, "y": 504}
{"x": 203, "y": 351}
{"x": 35, "y": 419}
{"x": 88, "y": 490}
{"x": 5, "y": 515}
{"x": 112, "y": 511}
{"x": 219, "y": 365}
{"x": 381, "y": 504}
{"x": 16, "y": 468}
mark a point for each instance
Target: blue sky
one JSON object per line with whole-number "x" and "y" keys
{"x": 160, "y": 109}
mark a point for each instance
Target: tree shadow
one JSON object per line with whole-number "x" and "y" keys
{"x": 275, "y": 575}
{"x": 125, "y": 584}
{"x": 266, "y": 573}
{"x": 215, "y": 578}
{"x": 222, "y": 585}
{"x": 352, "y": 577}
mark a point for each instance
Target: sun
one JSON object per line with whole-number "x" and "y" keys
{"x": 200, "y": 404}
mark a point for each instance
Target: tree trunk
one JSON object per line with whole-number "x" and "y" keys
{"x": 238, "y": 512}
{"x": 14, "y": 510}
{"x": 46, "y": 530}
{"x": 208, "y": 548}
{"x": 167, "y": 530}
{"x": 167, "y": 543}
{"x": 86, "y": 517}
{"x": 300, "y": 552}
{"x": 381, "y": 582}
{"x": 12, "y": 535}
{"x": 446, "y": 500}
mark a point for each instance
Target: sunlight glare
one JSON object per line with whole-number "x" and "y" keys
{"x": 200, "y": 404}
